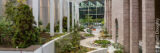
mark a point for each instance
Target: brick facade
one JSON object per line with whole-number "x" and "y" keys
{"x": 135, "y": 21}
{"x": 134, "y": 26}
{"x": 148, "y": 26}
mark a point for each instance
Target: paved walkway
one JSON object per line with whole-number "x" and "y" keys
{"x": 88, "y": 42}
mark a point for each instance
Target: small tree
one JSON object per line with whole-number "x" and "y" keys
{"x": 65, "y": 23}
{"x": 88, "y": 19}
{"x": 25, "y": 33}
{"x": 5, "y": 32}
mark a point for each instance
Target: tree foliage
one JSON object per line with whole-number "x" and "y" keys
{"x": 65, "y": 24}
{"x": 20, "y": 15}
{"x": 5, "y": 32}
{"x": 25, "y": 33}
{"x": 10, "y": 9}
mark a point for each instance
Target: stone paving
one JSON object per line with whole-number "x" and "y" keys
{"x": 88, "y": 42}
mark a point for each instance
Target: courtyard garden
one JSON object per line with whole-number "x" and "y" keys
{"x": 19, "y": 31}
{"x": 71, "y": 44}
{"x": 18, "y": 28}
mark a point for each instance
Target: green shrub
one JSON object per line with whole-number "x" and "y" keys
{"x": 56, "y": 28}
{"x": 68, "y": 43}
{"x": 102, "y": 22}
{"x": 57, "y": 35}
{"x": 81, "y": 28}
{"x": 103, "y": 43}
{"x": 76, "y": 39}
{"x": 63, "y": 45}
{"x": 65, "y": 24}
{"x": 5, "y": 31}
{"x": 25, "y": 33}
{"x": 47, "y": 29}
{"x": 105, "y": 32}
{"x": 10, "y": 9}
{"x": 40, "y": 23}
{"x": 70, "y": 22}
{"x": 89, "y": 35}
{"x": 89, "y": 30}
{"x": 40, "y": 26}
{"x": 118, "y": 51}
{"x": 117, "y": 46}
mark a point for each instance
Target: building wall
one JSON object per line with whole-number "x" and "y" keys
{"x": 128, "y": 28}
{"x": 117, "y": 13}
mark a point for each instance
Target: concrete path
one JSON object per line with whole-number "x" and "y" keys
{"x": 88, "y": 42}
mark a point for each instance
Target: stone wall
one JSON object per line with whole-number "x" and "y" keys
{"x": 117, "y": 13}
{"x": 136, "y": 22}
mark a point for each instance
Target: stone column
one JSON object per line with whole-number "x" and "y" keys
{"x": 148, "y": 26}
{"x": 110, "y": 16}
{"x": 52, "y": 15}
{"x": 78, "y": 14}
{"x": 44, "y": 12}
{"x": 73, "y": 15}
{"x": 126, "y": 26}
{"x": 105, "y": 17}
{"x": 68, "y": 18}
{"x": 35, "y": 7}
{"x": 61, "y": 16}
{"x": 134, "y": 26}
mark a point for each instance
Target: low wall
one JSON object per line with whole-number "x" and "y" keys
{"x": 99, "y": 51}
{"x": 46, "y": 48}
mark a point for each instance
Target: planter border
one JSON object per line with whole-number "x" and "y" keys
{"x": 45, "y": 48}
